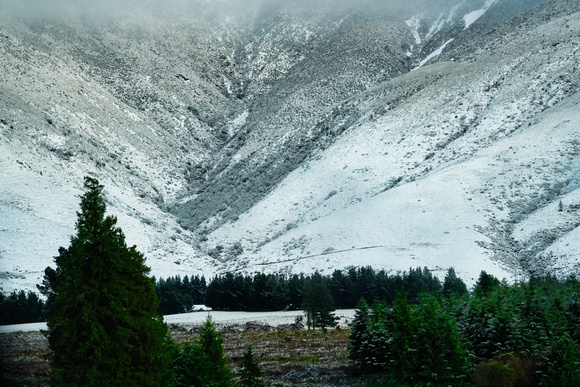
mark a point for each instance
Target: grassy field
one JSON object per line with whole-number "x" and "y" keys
{"x": 287, "y": 357}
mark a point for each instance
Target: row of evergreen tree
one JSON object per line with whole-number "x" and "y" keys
{"x": 21, "y": 307}
{"x": 527, "y": 333}
{"x": 262, "y": 292}
{"x": 177, "y": 295}
{"x": 270, "y": 292}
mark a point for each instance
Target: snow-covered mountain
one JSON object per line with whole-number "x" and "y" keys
{"x": 295, "y": 136}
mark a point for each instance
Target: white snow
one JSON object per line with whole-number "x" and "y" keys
{"x": 435, "y": 53}
{"x": 414, "y": 23}
{"x": 472, "y": 17}
{"x": 275, "y": 318}
{"x": 398, "y": 190}
{"x": 334, "y": 211}
{"x": 219, "y": 318}
{"x": 23, "y": 327}
{"x": 436, "y": 27}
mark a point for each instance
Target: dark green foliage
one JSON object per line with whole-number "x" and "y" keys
{"x": 433, "y": 352}
{"x": 276, "y": 292}
{"x": 417, "y": 344}
{"x": 488, "y": 323}
{"x": 536, "y": 321}
{"x": 268, "y": 292}
{"x": 262, "y": 292}
{"x": 295, "y": 288}
{"x": 20, "y": 307}
{"x": 358, "y": 333}
{"x": 371, "y": 342}
{"x": 229, "y": 292}
{"x": 417, "y": 282}
{"x": 453, "y": 285}
{"x": 201, "y": 363}
{"x": 177, "y": 295}
{"x": 103, "y": 326}
{"x": 486, "y": 283}
{"x": 318, "y": 304}
{"x": 563, "y": 363}
{"x": 251, "y": 374}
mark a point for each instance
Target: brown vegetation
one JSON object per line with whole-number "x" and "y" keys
{"x": 287, "y": 357}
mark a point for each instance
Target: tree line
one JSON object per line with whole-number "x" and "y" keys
{"x": 262, "y": 292}
{"x": 523, "y": 334}
{"x": 21, "y": 307}
{"x": 271, "y": 292}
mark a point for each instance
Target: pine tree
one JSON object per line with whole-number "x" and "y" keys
{"x": 428, "y": 350}
{"x": 318, "y": 304}
{"x": 563, "y": 363}
{"x": 251, "y": 372}
{"x": 202, "y": 363}
{"x": 103, "y": 326}
{"x": 359, "y": 332}
{"x": 453, "y": 284}
{"x": 20, "y": 307}
{"x": 404, "y": 339}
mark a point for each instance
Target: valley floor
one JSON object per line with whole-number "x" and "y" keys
{"x": 288, "y": 357}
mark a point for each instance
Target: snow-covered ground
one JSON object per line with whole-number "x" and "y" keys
{"x": 454, "y": 164}
{"x": 472, "y": 17}
{"x": 221, "y": 319}
{"x": 38, "y": 215}
{"x": 429, "y": 181}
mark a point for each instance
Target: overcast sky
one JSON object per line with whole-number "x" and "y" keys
{"x": 205, "y": 8}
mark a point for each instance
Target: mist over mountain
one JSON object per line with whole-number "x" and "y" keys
{"x": 293, "y": 136}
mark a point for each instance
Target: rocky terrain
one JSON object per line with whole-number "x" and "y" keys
{"x": 295, "y": 136}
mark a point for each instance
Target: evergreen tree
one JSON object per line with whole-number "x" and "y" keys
{"x": 295, "y": 291}
{"x": 403, "y": 339}
{"x": 251, "y": 372}
{"x": 428, "y": 350}
{"x": 563, "y": 363}
{"x": 20, "y": 307}
{"x": 339, "y": 288}
{"x": 202, "y": 363}
{"x": 318, "y": 304}
{"x": 453, "y": 284}
{"x": 485, "y": 283}
{"x": 103, "y": 326}
{"x": 359, "y": 331}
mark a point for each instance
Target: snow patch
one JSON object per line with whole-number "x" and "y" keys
{"x": 434, "y": 54}
{"x": 472, "y": 17}
{"x": 414, "y": 23}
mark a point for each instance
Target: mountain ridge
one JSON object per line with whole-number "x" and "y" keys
{"x": 208, "y": 135}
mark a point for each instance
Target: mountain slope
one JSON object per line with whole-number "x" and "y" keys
{"x": 318, "y": 137}
{"x": 440, "y": 176}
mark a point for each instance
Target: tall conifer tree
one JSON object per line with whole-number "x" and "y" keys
{"x": 103, "y": 326}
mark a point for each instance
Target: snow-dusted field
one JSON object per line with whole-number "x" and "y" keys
{"x": 220, "y": 318}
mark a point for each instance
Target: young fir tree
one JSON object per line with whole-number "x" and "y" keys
{"x": 202, "y": 363}
{"x": 453, "y": 285}
{"x": 427, "y": 347}
{"x": 103, "y": 326}
{"x": 251, "y": 372}
{"x": 359, "y": 333}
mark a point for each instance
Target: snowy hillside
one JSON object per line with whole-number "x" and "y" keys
{"x": 434, "y": 178}
{"x": 314, "y": 138}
